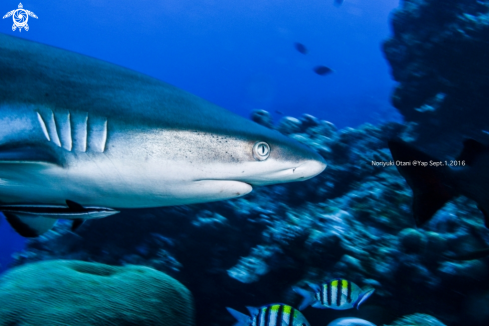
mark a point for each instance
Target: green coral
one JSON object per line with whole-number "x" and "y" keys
{"x": 63, "y": 292}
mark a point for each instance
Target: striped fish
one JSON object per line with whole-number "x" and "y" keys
{"x": 277, "y": 314}
{"x": 339, "y": 294}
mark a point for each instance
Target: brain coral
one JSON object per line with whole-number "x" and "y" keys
{"x": 63, "y": 292}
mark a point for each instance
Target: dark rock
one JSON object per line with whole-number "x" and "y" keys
{"x": 412, "y": 241}
{"x": 263, "y": 118}
{"x": 323, "y": 128}
{"x": 289, "y": 125}
{"x": 308, "y": 121}
{"x": 438, "y": 54}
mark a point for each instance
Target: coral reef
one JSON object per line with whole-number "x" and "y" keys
{"x": 75, "y": 293}
{"x": 353, "y": 221}
{"x": 438, "y": 54}
{"x": 417, "y": 320}
{"x": 350, "y": 322}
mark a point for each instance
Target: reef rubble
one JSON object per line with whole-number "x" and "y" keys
{"x": 353, "y": 221}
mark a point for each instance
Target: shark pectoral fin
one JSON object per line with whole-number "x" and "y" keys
{"x": 29, "y": 227}
{"x": 76, "y": 224}
{"x": 10, "y": 154}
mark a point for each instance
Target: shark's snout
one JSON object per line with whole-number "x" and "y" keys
{"x": 310, "y": 169}
{"x": 301, "y": 172}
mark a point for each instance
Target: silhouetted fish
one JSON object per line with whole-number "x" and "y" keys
{"x": 300, "y": 47}
{"x": 322, "y": 70}
{"x": 435, "y": 184}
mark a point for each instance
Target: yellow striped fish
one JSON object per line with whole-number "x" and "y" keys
{"x": 339, "y": 294}
{"x": 277, "y": 314}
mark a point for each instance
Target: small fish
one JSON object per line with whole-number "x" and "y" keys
{"x": 322, "y": 70}
{"x": 300, "y": 47}
{"x": 350, "y": 321}
{"x": 338, "y": 294}
{"x": 433, "y": 186}
{"x": 338, "y": 3}
{"x": 41, "y": 218}
{"x": 277, "y": 314}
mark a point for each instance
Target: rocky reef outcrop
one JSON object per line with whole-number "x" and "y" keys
{"x": 353, "y": 221}
{"x": 438, "y": 53}
{"x": 70, "y": 292}
{"x": 417, "y": 320}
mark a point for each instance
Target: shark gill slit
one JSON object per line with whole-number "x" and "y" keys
{"x": 69, "y": 133}
{"x": 104, "y": 136}
{"x": 43, "y": 126}
{"x": 85, "y": 141}
{"x": 54, "y": 129}
{"x": 62, "y": 120}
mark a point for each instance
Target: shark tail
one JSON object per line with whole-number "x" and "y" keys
{"x": 29, "y": 227}
{"x": 430, "y": 184}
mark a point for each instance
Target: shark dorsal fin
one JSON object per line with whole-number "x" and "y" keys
{"x": 72, "y": 205}
{"x": 472, "y": 149}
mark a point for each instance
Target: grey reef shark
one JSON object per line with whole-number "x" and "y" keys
{"x": 81, "y": 138}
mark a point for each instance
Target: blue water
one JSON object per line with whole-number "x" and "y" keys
{"x": 238, "y": 54}
{"x": 10, "y": 243}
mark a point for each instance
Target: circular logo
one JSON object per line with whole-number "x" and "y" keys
{"x": 20, "y": 17}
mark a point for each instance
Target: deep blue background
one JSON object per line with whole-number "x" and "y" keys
{"x": 238, "y": 54}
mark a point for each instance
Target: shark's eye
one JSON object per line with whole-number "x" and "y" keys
{"x": 261, "y": 151}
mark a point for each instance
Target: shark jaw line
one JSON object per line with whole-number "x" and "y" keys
{"x": 237, "y": 182}
{"x": 288, "y": 174}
